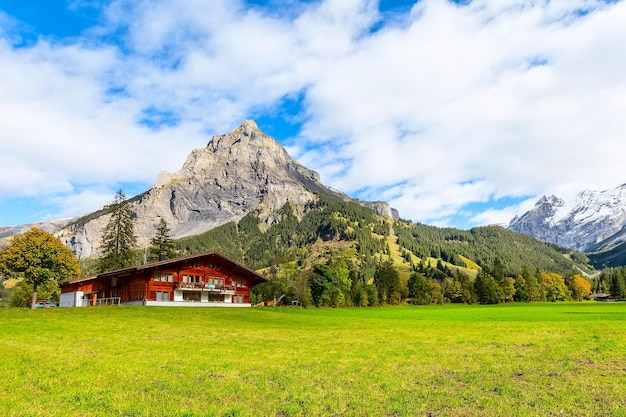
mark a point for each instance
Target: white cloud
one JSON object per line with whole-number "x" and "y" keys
{"x": 446, "y": 106}
{"x": 524, "y": 95}
{"x": 502, "y": 216}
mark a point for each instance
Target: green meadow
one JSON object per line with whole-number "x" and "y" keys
{"x": 563, "y": 359}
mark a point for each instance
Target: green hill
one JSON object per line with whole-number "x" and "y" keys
{"x": 334, "y": 252}
{"x": 291, "y": 234}
{"x": 298, "y": 243}
{"x": 614, "y": 257}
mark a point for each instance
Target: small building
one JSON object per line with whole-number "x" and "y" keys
{"x": 200, "y": 280}
{"x": 603, "y": 297}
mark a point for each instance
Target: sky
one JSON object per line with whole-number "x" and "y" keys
{"x": 457, "y": 113}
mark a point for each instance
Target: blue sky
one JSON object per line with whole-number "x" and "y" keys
{"x": 458, "y": 113}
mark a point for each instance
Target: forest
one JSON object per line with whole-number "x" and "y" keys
{"x": 338, "y": 253}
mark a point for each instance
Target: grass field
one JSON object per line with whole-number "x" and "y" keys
{"x": 506, "y": 360}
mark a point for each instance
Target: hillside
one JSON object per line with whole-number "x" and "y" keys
{"x": 292, "y": 237}
{"x": 614, "y": 257}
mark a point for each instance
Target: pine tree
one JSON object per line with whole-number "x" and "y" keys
{"x": 118, "y": 240}
{"x": 162, "y": 242}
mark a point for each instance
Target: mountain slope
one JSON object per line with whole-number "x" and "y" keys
{"x": 237, "y": 173}
{"x": 329, "y": 222}
{"x": 592, "y": 221}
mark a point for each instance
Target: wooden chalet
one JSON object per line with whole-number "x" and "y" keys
{"x": 201, "y": 280}
{"x": 608, "y": 298}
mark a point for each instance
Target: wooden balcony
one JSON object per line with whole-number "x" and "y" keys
{"x": 203, "y": 286}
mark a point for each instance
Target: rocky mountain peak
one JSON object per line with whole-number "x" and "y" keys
{"x": 236, "y": 173}
{"x": 553, "y": 201}
{"x": 593, "y": 220}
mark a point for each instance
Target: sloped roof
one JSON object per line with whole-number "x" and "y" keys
{"x": 127, "y": 271}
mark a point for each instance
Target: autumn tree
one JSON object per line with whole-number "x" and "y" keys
{"x": 39, "y": 258}
{"x": 118, "y": 240}
{"x": 554, "y": 287}
{"x": 162, "y": 242}
{"x": 580, "y": 287}
{"x": 507, "y": 289}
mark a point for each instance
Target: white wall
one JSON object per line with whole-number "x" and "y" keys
{"x": 72, "y": 299}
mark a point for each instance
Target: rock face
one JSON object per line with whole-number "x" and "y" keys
{"x": 237, "y": 173}
{"x": 593, "y": 221}
{"x": 381, "y": 208}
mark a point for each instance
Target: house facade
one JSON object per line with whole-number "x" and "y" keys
{"x": 200, "y": 280}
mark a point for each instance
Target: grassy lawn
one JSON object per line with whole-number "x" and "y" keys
{"x": 506, "y": 360}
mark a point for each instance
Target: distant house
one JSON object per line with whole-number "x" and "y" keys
{"x": 201, "y": 280}
{"x": 602, "y": 297}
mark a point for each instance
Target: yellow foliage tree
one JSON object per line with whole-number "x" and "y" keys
{"x": 580, "y": 287}
{"x": 38, "y": 257}
{"x": 554, "y": 287}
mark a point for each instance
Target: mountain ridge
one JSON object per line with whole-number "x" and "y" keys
{"x": 592, "y": 221}
{"x": 236, "y": 173}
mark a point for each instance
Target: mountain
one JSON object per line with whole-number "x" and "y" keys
{"x": 244, "y": 196}
{"x": 237, "y": 173}
{"x": 593, "y": 221}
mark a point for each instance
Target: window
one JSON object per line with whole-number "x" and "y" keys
{"x": 159, "y": 296}
{"x": 163, "y": 277}
{"x": 239, "y": 282}
{"x": 190, "y": 279}
{"x": 189, "y": 296}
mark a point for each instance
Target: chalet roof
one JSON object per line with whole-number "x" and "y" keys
{"x": 173, "y": 261}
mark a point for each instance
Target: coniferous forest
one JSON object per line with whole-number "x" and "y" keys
{"x": 338, "y": 253}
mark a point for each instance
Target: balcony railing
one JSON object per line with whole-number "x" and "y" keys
{"x": 105, "y": 301}
{"x": 202, "y": 286}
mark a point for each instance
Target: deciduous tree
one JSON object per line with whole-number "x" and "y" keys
{"x": 554, "y": 287}
{"x": 38, "y": 257}
{"x": 580, "y": 288}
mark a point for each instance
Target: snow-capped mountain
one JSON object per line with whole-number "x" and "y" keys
{"x": 594, "y": 220}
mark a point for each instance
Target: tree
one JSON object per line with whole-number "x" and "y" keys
{"x": 487, "y": 290}
{"x": 424, "y": 291}
{"x": 39, "y": 258}
{"x": 417, "y": 288}
{"x": 580, "y": 287}
{"x": 118, "y": 240}
{"x": 554, "y": 287}
{"x": 162, "y": 242}
{"x": 22, "y": 293}
{"x": 331, "y": 284}
{"x": 521, "y": 289}
{"x": 387, "y": 281}
{"x": 507, "y": 289}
